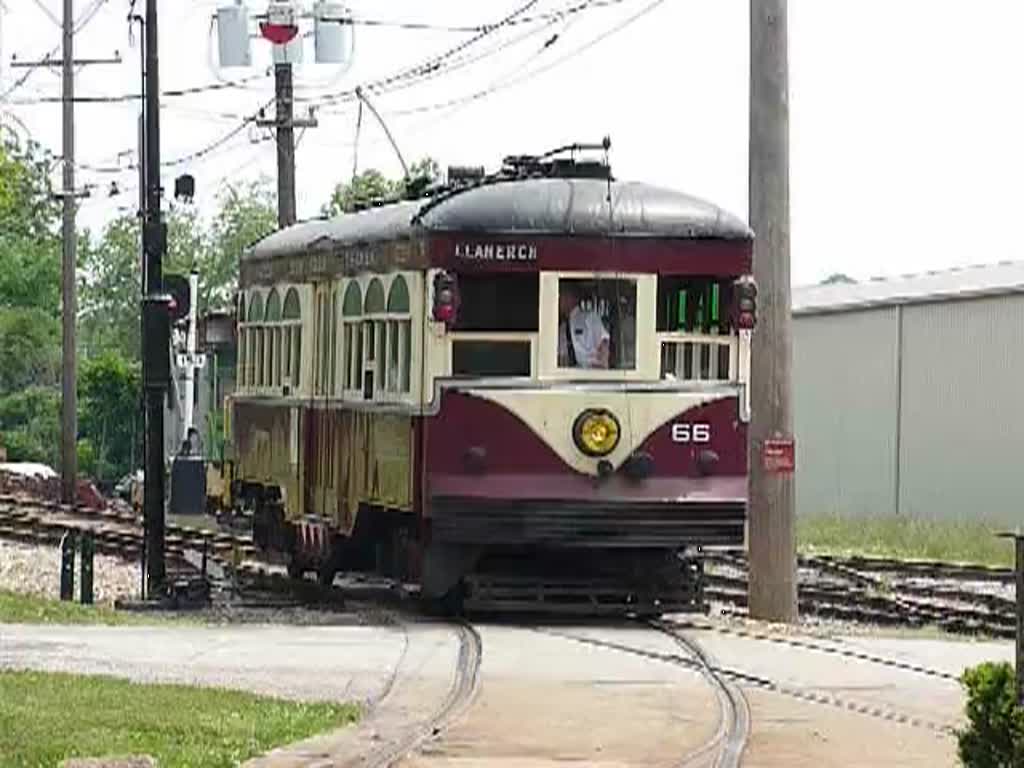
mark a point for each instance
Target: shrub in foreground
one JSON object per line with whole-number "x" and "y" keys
{"x": 994, "y": 736}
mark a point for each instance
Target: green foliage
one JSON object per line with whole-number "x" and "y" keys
{"x": 371, "y": 185}
{"x": 29, "y": 246}
{"x": 838, "y": 278}
{"x": 16, "y": 608}
{"x": 29, "y": 348}
{"x": 30, "y": 423}
{"x": 245, "y": 214}
{"x": 111, "y": 286}
{"x": 48, "y": 717}
{"x": 994, "y": 736}
{"x": 110, "y": 416}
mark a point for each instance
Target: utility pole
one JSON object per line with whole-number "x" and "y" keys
{"x": 69, "y": 299}
{"x": 69, "y": 366}
{"x": 190, "y": 352}
{"x": 285, "y": 124}
{"x": 155, "y": 318}
{"x": 772, "y": 528}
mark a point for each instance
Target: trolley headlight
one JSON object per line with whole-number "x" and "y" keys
{"x": 596, "y": 432}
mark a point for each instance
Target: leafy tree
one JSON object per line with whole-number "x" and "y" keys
{"x": 994, "y": 736}
{"x": 110, "y": 419}
{"x": 111, "y": 282}
{"x": 371, "y": 185}
{"x": 29, "y": 246}
{"x": 245, "y": 214}
{"x": 30, "y": 423}
{"x": 29, "y": 349}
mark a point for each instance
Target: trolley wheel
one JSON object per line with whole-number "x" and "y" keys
{"x": 449, "y": 605}
{"x": 295, "y": 567}
{"x": 325, "y": 575}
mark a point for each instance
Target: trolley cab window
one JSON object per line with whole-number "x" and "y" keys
{"x": 495, "y": 312}
{"x": 597, "y": 323}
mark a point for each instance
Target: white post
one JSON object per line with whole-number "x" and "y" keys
{"x": 190, "y": 350}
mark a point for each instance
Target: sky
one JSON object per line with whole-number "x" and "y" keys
{"x": 906, "y": 115}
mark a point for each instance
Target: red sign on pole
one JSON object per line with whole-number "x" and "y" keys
{"x": 778, "y": 456}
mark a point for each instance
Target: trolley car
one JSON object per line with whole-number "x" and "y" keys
{"x": 526, "y": 390}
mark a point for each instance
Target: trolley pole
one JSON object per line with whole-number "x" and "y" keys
{"x": 156, "y": 319}
{"x": 772, "y": 529}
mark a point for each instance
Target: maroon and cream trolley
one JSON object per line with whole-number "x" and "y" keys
{"x": 528, "y": 390}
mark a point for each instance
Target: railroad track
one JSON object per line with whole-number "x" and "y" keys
{"x": 725, "y": 749}
{"x": 833, "y": 588}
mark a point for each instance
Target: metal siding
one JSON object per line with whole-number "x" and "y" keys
{"x": 845, "y": 405}
{"x": 962, "y": 422}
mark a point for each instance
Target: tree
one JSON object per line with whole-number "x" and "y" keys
{"x": 110, "y": 420}
{"x": 371, "y": 185}
{"x": 29, "y": 349}
{"x": 29, "y": 245}
{"x": 111, "y": 282}
{"x": 30, "y": 424}
{"x": 246, "y": 213}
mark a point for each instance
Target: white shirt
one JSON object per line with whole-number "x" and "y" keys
{"x": 588, "y": 333}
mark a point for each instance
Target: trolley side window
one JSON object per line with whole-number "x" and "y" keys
{"x": 493, "y": 306}
{"x": 597, "y": 323}
{"x": 694, "y": 305}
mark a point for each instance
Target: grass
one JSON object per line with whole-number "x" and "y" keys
{"x": 46, "y": 718}
{"x": 18, "y": 608}
{"x": 966, "y": 542}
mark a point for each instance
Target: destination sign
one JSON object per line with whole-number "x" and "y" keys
{"x": 495, "y": 252}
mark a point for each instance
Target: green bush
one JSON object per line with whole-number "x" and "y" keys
{"x": 994, "y": 737}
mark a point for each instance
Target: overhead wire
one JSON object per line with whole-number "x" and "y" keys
{"x": 87, "y": 16}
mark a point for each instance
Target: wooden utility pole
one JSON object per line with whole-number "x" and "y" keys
{"x": 69, "y": 377}
{"x": 772, "y": 529}
{"x": 68, "y": 196}
{"x": 285, "y": 123}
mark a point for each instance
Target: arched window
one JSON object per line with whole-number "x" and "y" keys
{"x": 399, "y": 338}
{"x": 374, "y": 338}
{"x": 254, "y": 354}
{"x": 240, "y": 318}
{"x": 351, "y": 312}
{"x": 272, "y": 373}
{"x": 291, "y": 352}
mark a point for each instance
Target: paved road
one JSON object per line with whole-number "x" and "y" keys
{"x": 603, "y": 696}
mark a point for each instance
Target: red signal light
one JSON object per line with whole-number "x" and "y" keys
{"x": 446, "y": 298}
{"x": 279, "y": 34}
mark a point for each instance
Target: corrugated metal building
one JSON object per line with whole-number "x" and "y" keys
{"x": 909, "y": 395}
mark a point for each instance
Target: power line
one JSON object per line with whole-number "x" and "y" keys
{"x": 425, "y": 26}
{"x": 87, "y": 16}
{"x": 127, "y": 97}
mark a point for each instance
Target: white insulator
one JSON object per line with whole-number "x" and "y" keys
{"x": 289, "y": 53}
{"x": 332, "y": 36}
{"x": 233, "y": 35}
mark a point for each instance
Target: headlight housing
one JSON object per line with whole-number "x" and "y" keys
{"x": 596, "y": 432}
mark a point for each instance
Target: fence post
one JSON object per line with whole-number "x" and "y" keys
{"x": 88, "y": 552}
{"x": 67, "y": 567}
{"x": 1018, "y": 539}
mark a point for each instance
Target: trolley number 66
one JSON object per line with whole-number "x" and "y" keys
{"x": 691, "y": 433}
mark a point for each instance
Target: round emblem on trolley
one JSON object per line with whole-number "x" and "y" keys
{"x": 596, "y": 432}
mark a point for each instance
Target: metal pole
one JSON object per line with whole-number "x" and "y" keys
{"x": 772, "y": 530}
{"x": 190, "y": 350}
{"x": 69, "y": 395}
{"x": 1020, "y": 618}
{"x": 154, "y": 238}
{"x": 285, "y": 144}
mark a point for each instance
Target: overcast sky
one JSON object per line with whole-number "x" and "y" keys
{"x": 907, "y": 115}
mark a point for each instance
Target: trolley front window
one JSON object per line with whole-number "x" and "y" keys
{"x": 597, "y": 323}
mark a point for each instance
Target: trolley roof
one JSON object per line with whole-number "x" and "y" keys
{"x": 542, "y": 207}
